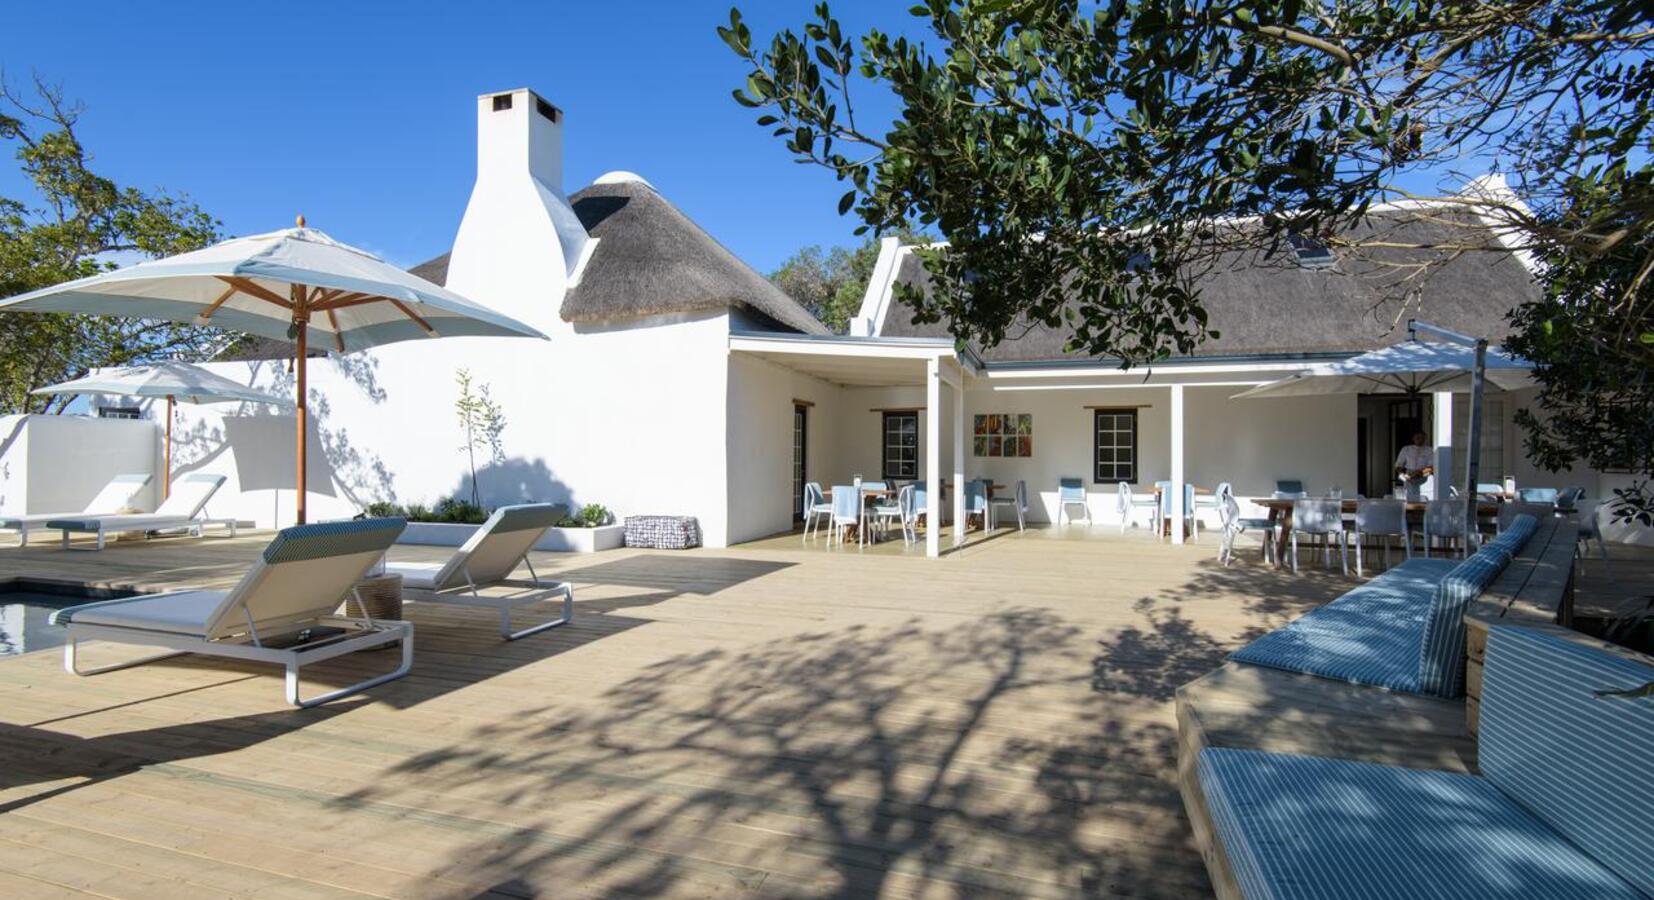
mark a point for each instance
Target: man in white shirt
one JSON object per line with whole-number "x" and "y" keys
{"x": 1416, "y": 457}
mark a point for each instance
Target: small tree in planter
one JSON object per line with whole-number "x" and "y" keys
{"x": 482, "y": 421}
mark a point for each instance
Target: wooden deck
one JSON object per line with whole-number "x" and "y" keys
{"x": 751, "y": 722}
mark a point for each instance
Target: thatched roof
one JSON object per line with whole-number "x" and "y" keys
{"x": 252, "y": 348}
{"x": 651, "y": 259}
{"x": 1275, "y": 306}
{"x": 433, "y": 270}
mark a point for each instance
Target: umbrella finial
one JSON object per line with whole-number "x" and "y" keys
{"x": 300, "y": 220}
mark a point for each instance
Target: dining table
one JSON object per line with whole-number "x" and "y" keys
{"x": 1280, "y": 515}
{"x": 890, "y": 490}
{"x": 1166, "y": 522}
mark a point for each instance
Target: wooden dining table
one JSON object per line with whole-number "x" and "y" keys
{"x": 887, "y": 491}
{"x": 1280, "y": 515}
{"x": 1166, "y": 523}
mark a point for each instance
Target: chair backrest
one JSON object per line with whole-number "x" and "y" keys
{"x": 920, "y": 497}
{"x": 1071, "y": 490}
{"x": 494, "y": 550}
{"x": 1444, "y": 518}
{"x": 1289, "y": 487}
{"x": 190, "y": 494}
{"x": 1509, "y": 511}
{"x": 117, "y": 494}
{"x": 302, "y": 575}
{"x": 1228, "y": 507}
{"x": 1589, "y": 525}
{"x": 1381, "y": 516}
{"x": 1318, "y": 516}
{"x": 905, "y": 502}
{"x": 873, "y": 486}
{"x": 1575, "y": 759}
{"x": 1568, "y": 497}
{"x": 976, "y": 496}
{"x": 812, "y": 495}
{"x": 1489, "y": 487}
{"x": 1022, "y": 495}
{"x": 846, "y": 504}
{"x": 1123, "y": 492}
{"x": 1536, "y": 495}
{"x": 1223, "y": 487}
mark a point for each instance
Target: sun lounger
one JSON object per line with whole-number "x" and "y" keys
{"x": 181, "y": 510}
{"x": 115, "y": 496}
{"x": 281, "y": 612}
{"x": 488, "y": 559}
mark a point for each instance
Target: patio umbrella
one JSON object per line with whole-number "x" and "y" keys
{"x": 1459, "y": 363}
{"x": 1410, "y": 367}
{"x": 172, "y": 380}
{"x": 297, "y": 284}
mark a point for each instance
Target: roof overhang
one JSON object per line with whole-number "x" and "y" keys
{"x": 857, "y": 361}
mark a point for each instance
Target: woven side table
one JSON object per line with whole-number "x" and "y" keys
{"x": 381, "y": 594}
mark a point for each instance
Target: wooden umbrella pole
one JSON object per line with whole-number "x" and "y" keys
{"x": 166, "y": 473}
{"x": 301, "y": 318}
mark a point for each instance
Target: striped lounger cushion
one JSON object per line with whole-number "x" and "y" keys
{"x": 1580, "y": 762}
{"x": 1307, "y": 828}
{"x": 1370, "y": 636}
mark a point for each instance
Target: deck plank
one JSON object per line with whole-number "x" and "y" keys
{"x": 769, "y": 720}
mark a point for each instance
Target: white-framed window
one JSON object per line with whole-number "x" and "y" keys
{"x": 901, "y": 445}
{"x": 1114, "y": 445}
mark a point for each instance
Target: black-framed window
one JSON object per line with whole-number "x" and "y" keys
{"x": 900, "y": 440}
{"x": 1114, "y": 445}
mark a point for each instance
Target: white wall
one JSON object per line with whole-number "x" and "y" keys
{"x": 759, "y": 465}
{"x": 629, "y": 417}
{"x": 59, "y": 463}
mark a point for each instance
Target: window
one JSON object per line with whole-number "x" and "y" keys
{"x": 502, "y": 102}
{"x": 545, "y": 109}
{"x": 1312, "y": 254}
{"x": 1115, "y": 443}
{"x": 901, "y": 445}
{"x": 120, "y": 412}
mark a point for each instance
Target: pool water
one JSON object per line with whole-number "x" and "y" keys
{"x": 25, "y": 614}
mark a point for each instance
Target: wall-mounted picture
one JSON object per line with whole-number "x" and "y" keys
{"x": 1004, "y": 434}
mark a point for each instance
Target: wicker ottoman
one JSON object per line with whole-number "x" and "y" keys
{"x": 663, "y": 532}
{"x": 381, "y": 594}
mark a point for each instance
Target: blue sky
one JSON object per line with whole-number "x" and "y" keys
{"x": 361, "y": 115}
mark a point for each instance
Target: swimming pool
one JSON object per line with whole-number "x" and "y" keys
{"x": 25, "y": 611}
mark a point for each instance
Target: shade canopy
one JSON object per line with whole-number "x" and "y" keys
{"x": 179, "y": 381}
{"x": 1409, "y": 367}
{"x": 298, "y": 285}
{"x": 351, "y": 298}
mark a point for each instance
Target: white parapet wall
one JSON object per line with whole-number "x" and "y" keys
{"x": 59, "y": 463}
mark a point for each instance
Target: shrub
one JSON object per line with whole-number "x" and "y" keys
{"x": 459, "y": 512}
{"x": 381, "y": 509}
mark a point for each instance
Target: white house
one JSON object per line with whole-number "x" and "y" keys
{"x": 678, "y": 380}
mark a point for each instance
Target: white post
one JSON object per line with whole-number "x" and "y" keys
{"x": 933, "y": 458}
{"x": 1177, "y": 464}
{"x": 1441, "y": 428}
{"x": 959, "y": 464}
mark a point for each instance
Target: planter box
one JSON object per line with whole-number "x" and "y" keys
{"x": 567, "y": 540}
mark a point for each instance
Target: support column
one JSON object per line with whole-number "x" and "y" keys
{"x": 933, "y": 458}
{"x": 1441, "y": 437}
{"x": 1178, "y": 477}
{"x": 959, "y": 464}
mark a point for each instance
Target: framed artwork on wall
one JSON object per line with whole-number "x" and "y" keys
{"x": 1003, "y": 435}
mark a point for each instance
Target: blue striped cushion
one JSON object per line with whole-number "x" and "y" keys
{"x": 1307, "y": 828}
{"x": 1371, "y": 635}
{"x": 323, "y": 539}
{"x": 1440, "y": 661}
{"x": 1579, "y": 762}
{"x": 1515, "y": 534}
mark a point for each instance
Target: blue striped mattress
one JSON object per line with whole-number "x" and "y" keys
{"x": 1372, "y": 635}
{"x": 1308, "y": 828}
{"x": 1581, "y": 762}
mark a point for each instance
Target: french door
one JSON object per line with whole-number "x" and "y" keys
{"x": 801, "y": 430}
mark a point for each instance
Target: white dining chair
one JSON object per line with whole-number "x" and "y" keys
{"x": 1128, "y": 502}
{"x": 1323, "y": 519}
{"x": 816, "y": 508}
{"x": 889, "y": 509}
{"x": 846, "y": 511}
{"x": 1444, "y": 523}
{"x": 1070, "y": 493}
{"x": 1018, "y": 501}
{"x": 1381, "y": 518}
{"x": 1234, "y": 525}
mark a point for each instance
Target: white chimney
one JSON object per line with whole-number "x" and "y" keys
{"x": 520, "y": 239}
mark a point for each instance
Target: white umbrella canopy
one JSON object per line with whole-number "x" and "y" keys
{"x": 297, "y": 284}
{"x": 1406, "y": 368}
{"x": 172, "y": 380}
